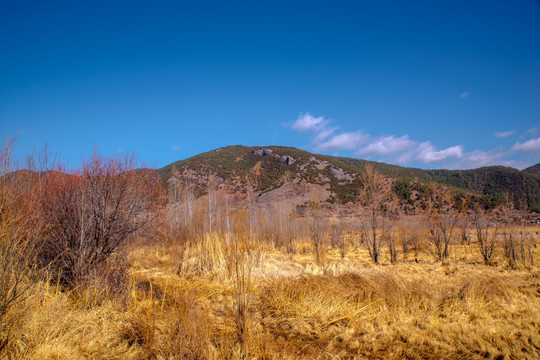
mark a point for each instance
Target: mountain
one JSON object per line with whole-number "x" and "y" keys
{"x": 271, "y": 169}
{"x": 535, "y": 169}
{"x": 286, "y": 172}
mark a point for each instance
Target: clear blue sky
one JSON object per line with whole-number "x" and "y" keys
{"x": 433, "y": 84}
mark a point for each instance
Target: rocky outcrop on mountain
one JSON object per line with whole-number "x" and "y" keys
{"x": 286, "y": 159}
{"x": 341, "y": 175}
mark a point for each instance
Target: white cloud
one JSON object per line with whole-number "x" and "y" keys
{"x": 176, "y": 147}
{"x": 476, "y": 159}
{"x": 404, "y": 150}
{"x": 533, "y": 130}
{"x": 308, "y": 123}
{"x": 322, "y": 135}
{"x": 343, "y": 141}
{"x": 386, "y": 145}
{"x": 480, "y": 158}
{"x": 465, "y": 94}
{"x": 428, "y": 154}
{"x": 532, "y": 145}
{"x": 503, "y": 134}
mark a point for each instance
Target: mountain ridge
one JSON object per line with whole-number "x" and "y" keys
{"x": 535, "y": 169}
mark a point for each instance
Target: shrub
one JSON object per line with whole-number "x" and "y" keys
{"x": 91, "y": 212}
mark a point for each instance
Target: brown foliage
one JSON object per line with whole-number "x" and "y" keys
{"x": 90, "y": 213}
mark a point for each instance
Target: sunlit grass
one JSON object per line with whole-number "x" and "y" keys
{"x": 344, "y": 308}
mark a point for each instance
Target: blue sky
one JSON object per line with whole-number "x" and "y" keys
{"x": 433, "y": 84}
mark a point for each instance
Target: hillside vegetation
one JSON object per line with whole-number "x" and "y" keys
{"x": 268, "y": 168}
{"x": 535, "y": 169}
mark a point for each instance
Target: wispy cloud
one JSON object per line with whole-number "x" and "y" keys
{"x": 480, "y": 158}
{"x": 400, "y": 148}
{"x": 343, "y": 141}
{"x": 403, "y": 150}
{"x": 176, "y": 147}
{"x": 533, "y": 130}
{"x": 532, "y": 145}
{"x": 465, "y": 94}
{"x": 324, "y": 138}
{"x": 504, "y": 134}
{"x": 309, "y": 123}
{"x": 386, "y": 145}
{"x": 477, "y": 158}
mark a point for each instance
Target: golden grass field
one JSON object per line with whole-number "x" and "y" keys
{"x": 184, "y": 307}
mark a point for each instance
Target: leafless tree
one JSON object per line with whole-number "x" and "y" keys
{"x": 376, "y": 197}
{"x": 175, "y": 192}
{"x": 41, "y": 161}
{"x": 189, "y": 195}
{"x": 509, "y": 234}
{"x": 212, "y": 203}
{"x": 411, "y": 235}
{"x": 485, "y": 238}
{"x": 338, "y": 238}
{"x": 391, "y": 239}
{"x": 463, "y": 224}
{"x": 526, "y": 244}
{"x": 444, "y": 217}
{"x": 316, "y": 229}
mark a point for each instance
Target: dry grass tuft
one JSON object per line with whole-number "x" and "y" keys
{"x": 389, "y": 316}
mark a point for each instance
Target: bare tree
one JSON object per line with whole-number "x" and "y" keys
{"x": 444, "y": 218}
{"x": 180, "y": 216}
{"x": 376, "y": 197}
{"x": 525, "y": 247}
{"x": 463, "y": 224}
{"x": 406, "y": 241}
{"x": 211, "y": 204}
{"x": 189, "y": 195}
{"x": 41, "y": 161}
{"x": 411, "y": 235}
{"x": 485, "y": 238}
{"x": 292, "y": 231}
{"x": 175, "y": 192}
{"x": 509, "y": 233}
{"x": 391, "y": 239}
{"x": 316, "y": 229}
{"x": 337, "y": 238}
{"x": 277, "y": 216}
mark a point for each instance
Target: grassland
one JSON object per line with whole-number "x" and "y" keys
{"x": 180, "y": 302}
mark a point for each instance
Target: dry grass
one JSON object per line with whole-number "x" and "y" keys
{"x": 342, "y": 309}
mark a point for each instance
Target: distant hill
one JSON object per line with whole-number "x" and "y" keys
{"x": 271, "y": 170}
{"x": 535, "y": 169}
